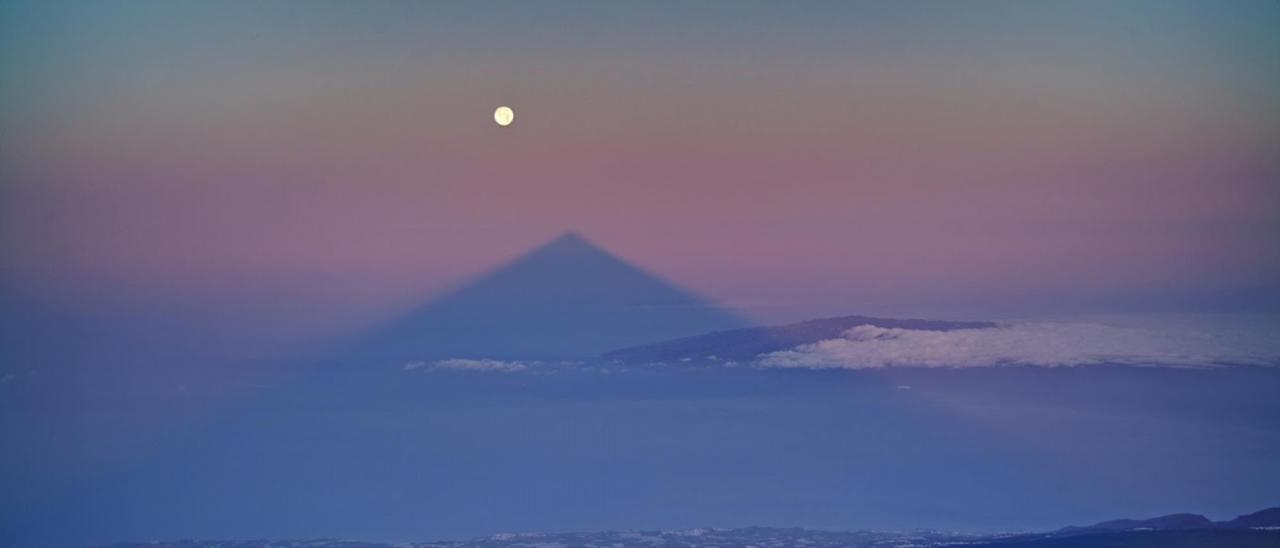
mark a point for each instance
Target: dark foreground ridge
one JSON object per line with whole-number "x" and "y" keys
{"x": 746, "y": 344}
{"x": 1256, "y": 530}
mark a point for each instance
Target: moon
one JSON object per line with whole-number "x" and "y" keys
{"x": 504, "y": 116}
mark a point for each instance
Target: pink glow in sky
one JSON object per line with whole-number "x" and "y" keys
{"x": 811, "y": 168}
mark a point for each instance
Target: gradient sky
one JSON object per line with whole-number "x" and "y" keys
{"x": 191, "y": 192}
{"x": 786, "y": 159}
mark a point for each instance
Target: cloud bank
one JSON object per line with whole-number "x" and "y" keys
{"x": 460, "y": 364}
{"x": 1046, "y": 344}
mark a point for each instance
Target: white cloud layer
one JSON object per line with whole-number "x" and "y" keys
{"x": 460, "y": 364}
{"x": 1046, "y": 344}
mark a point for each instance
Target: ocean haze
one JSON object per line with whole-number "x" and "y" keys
{"x": 396, "y": 455}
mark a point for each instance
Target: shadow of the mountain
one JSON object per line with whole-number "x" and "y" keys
{"x": 566, "y": 299}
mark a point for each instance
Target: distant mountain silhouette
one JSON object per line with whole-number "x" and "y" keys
{"x": 747, "y": 343}
{"x": 565, "y": 299}
{"x": 1162, "y": 523}
{"x": 1172, "y": 531}
{"x": 1262, "y": 518}
{"x": 1267, "y": 518}
{"x": 1177, "y": 538}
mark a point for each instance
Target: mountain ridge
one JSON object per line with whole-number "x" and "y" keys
{"x": 1215, "y": 534}
{"x": 1268, "y": 517}
{"x": 747, "y": 343}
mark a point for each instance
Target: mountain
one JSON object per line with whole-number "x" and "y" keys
{"x": 1262, "y": 518}
{"x": 1162, "y": 523}
{"x": 747, "y": 343}
{"x": 1171, "y": 531}
{"x": 566, "y": 299}
{"x": 1179, "y": 538}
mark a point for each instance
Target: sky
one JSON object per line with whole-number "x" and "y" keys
{"x": 340, "y": 158}
{"x": 203, "y": 204}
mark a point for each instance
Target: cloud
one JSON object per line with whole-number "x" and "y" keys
{"x": 1046, "y": 344}
{"x": 461, "y": 364}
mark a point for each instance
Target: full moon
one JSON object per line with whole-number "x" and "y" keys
{"x": 504, "y": 116}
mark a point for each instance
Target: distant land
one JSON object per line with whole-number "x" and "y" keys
{"x": 747, "y": 343}
{"x": 1257, "y": 530}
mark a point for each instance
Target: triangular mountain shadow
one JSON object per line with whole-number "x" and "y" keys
{"x": 566, "y": 299}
